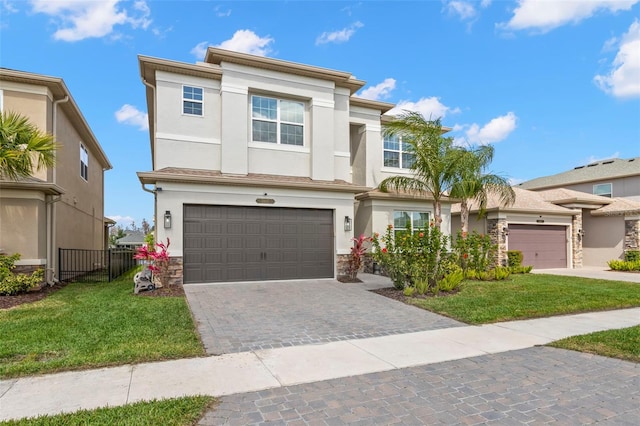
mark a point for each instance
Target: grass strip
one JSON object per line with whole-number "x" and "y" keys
{"x": 622, "y": 344}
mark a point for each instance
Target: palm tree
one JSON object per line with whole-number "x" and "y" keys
{"x": 21, "y": 142}
{"x": 436, "y": 159}
{"x": 473, "y": 184}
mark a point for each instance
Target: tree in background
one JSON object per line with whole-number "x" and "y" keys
{"x": 21, "y": 142}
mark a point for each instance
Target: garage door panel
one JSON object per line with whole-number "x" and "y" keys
{"x": 257, "y": 243}
{"x": 543, "y": 246}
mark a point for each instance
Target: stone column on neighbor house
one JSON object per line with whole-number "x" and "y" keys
{"x": 631, "y": 233}
{"x": 342, "y": 263}
{"x": 496, "y": 224}
{"x": 577, "y": 236}
{"x": 175, "y": 271}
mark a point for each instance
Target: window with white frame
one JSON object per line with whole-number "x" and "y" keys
{"x": 192, "y": 100}
{"x": 84, "y": 162}
{"x": 603, "y": 189}
{"x": 397, "y": 153}
{"x": 277, "y": 121}
{"x": 412, "y": 220}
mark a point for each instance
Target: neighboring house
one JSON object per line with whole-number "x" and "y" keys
{"x": 59, "y": 207}
{"x": 264, "y": 169}
{"x": 559, "y": 228}
{"x": 615, "y": 177}
{"x": 132, "y": 240}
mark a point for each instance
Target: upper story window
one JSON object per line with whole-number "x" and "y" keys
{"x": 397, "y": 153}
{"x": 409, "y": 219}
{"x": 192, "y": 100}
{"x": 277, "y": 121}
{"x": 84, "y": 162}
{"x": 603, "y": 189}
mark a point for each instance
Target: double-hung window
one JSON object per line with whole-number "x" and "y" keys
{"x": 277, "y": 121}
{"x": 603, "y": 189}
{"x": 84, "y": 162}
{"x": 397, "y": 153}
{"x": 411, "y": 220}
{"x": 192, "y": 100}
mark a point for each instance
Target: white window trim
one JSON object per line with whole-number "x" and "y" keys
{"x": 400, "y": 152}
{"x": 192, "y": 100}
{"x": 609, "y": 195}
{"x": 86, "y": 151}
{"x": 413, "y": 229}
{"x": 278, "y": 122}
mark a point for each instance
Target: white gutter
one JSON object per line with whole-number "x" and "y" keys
{"x": 155, "y": 120}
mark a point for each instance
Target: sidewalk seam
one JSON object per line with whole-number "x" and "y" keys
{"x": 13, "y": 382}
{"x": 267, "y": 368}
{"x": 130, "y": 381}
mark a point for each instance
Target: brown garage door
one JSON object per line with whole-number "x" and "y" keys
{"x": 543, "y": 246}
{"x": 234, "y": 243}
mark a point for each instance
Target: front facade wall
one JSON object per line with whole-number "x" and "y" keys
{"x": 174, "y": 196}
{"x": 627, "y": 187}
{"x": 603, "y": 239}
{"x": 22, "y": 225}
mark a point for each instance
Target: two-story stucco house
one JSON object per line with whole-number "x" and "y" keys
{"x": 58, "y": 207}
{"x": 264, "y": 169}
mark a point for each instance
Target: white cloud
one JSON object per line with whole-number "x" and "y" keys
{"x": 128, "y": 114}
{"x": 8, "y": 7}
{"x": 545, "y": 15}
{"x": 78, "y": 20}
{"x": 379, "y": 91}
{"x": 485, "y": 3}
{"x": 122, "y": 221}
{"x": 339, "y": 36}
{"x": 623, "y": 80}
{"x": 246, "y": 41}
{"x": 222, "y": 13}
{"x": 464, "y": 9}
{"x": 431, "y": 108}
{"x": 200, "y": 49}
{"x": 495, "y": 130}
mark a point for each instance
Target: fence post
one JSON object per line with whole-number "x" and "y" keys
{"x": 109, "y": 263}
{"x": 60, "y": 263}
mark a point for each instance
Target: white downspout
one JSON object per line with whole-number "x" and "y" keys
{"x": 51, "y": 209}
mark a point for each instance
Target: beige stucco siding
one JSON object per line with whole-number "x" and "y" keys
{"x": 621, "y": 187}
{"x": 603, "y": 239}
{"x": 18, "y": 208}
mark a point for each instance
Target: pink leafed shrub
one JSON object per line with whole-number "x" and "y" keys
{"x": 158, "y": 260}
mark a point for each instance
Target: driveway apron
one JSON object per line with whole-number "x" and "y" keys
{"x": 243, "y": 317}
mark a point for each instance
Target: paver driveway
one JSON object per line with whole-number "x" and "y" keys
{"x": 531, "y": 386}
{"x": 249, "y": 316}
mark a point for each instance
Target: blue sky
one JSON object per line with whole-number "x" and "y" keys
{"x": 552, "y": 85}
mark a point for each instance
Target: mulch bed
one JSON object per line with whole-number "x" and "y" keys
{"x": 169, "y": 291}
{"x": 346, "y": 279}
{"x": 7, "y": 302}
{"x": 395, "y": 294}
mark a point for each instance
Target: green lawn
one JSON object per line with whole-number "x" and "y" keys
{"x": 168, "y": 412}
{"x": 94, "y": 325}
{"x": 622, "y": 344}
{"x": 531, "y": 296}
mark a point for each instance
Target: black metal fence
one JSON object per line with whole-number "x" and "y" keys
{"x": 94, "y": 265}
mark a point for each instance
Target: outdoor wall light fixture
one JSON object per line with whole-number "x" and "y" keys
{"x": 347, "y": 223}
{"x": 167, "y": 219}
{"x": 580, "y": 233}
{"x": 505, "y": 232}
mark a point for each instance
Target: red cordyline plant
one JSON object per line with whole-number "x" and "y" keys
{"x": 158, "y": 258}
{"x": 357, "y": 254}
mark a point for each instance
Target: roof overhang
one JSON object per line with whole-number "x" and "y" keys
{"x": 59, "y": 91}
{"x": 401, "y": 196}
{"x": 44, "y": 187}
{"x": 368, "y": 103}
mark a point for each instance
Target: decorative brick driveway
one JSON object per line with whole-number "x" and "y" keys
{"x": 531, "y": 386}
{"x": 250, "y": 316}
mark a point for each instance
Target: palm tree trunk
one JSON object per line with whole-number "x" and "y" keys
{"x": 437, "y": 214}
{"x": 464, "y": 217}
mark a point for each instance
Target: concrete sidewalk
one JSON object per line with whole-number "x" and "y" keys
{"x": 595, "y": 272}
{"x": 273, "y": 368}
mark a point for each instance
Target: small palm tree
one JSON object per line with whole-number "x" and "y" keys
{"x": 20, "y": 143}
{"x": 435, "y": 164}
{"x": 473, "y": 184}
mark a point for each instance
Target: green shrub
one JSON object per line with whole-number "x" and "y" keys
{"x": 412, "y": 259}
{"x": 408, "y": 291}
{"x": 471, "y": 274}
{"x": 451, "y": 281}
{"x": 520, "y": 269}
{"x": 475, "y": 251}
{"x": 514, "y": 258}
{"x": 10, "y": 283}
{"x": 623, "y": 265}
{"x": 632, "y": 255}
{"x": 501, "y": 273}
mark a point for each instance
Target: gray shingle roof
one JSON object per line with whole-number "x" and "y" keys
{"x": 606, "y": 169}
{"x": 132, "y": 237}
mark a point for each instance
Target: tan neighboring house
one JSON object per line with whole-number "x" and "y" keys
{"x": 559, "y": 228}
{"x": 265, "y": 169}
{"x": 59, "y": 207}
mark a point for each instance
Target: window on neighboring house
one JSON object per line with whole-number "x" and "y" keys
{"x": 397, "y": 153}
{"x": 413, "y": 220}
{"x": 277, "y": 121}
{"x": 603, "y": 189}
{"x": 192, "y": 100}
{"x": 84, "y": 162}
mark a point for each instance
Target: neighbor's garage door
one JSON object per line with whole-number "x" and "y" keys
{"x": 229, "y": 243}
{"x": 543, "y": 246}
